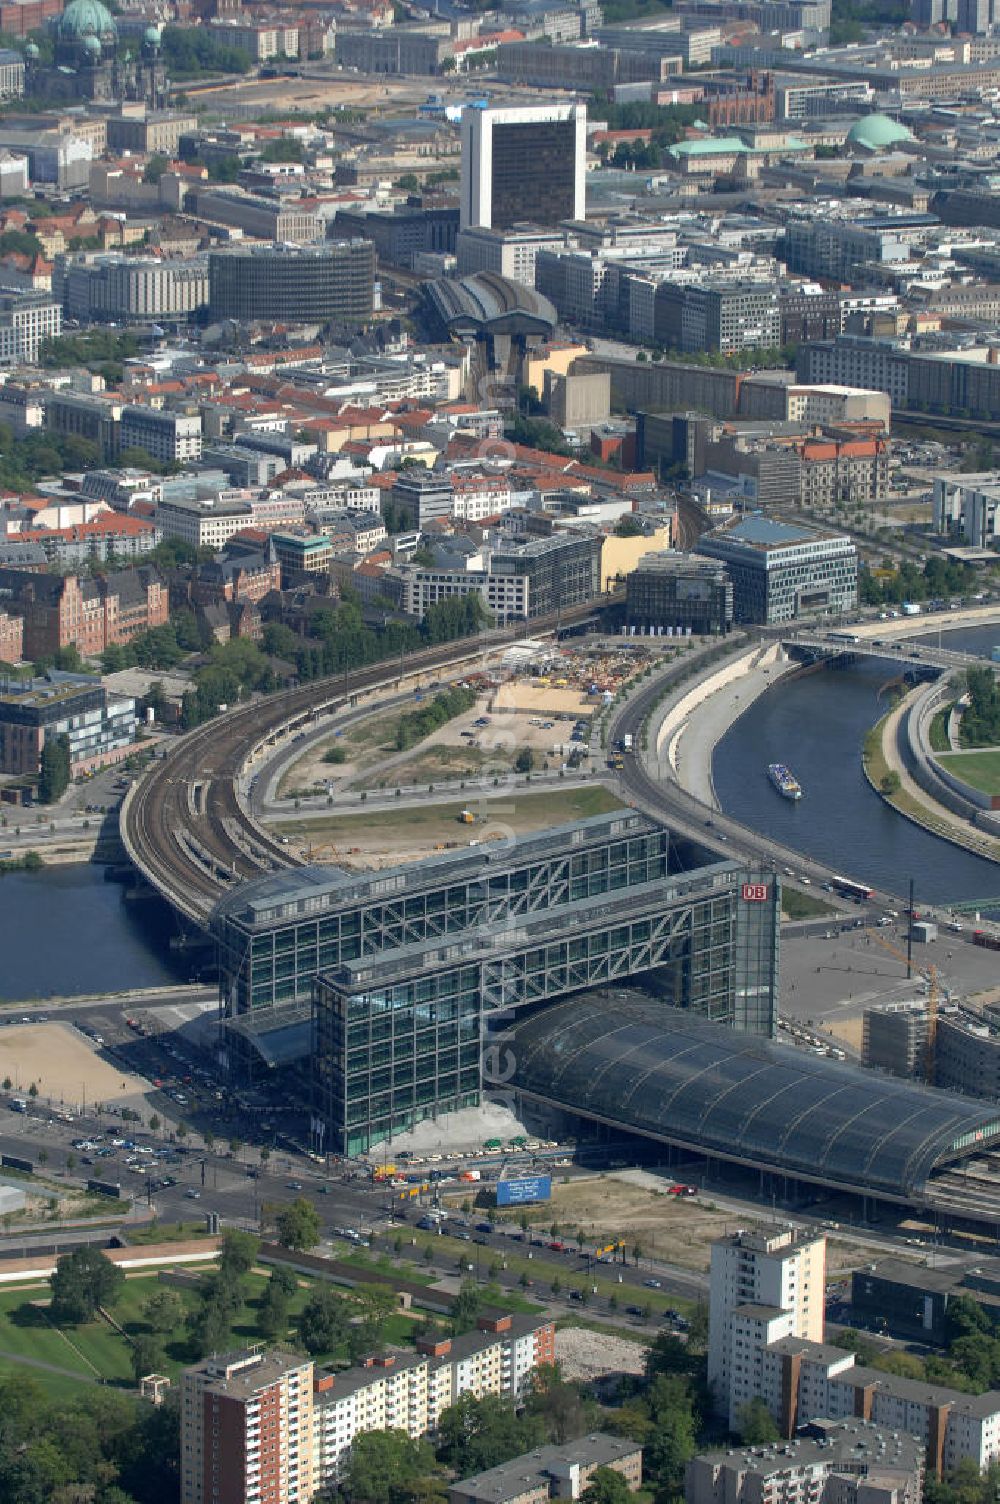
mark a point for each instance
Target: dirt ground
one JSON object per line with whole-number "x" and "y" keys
{"x": 635, "y": 1206}
{"x": 446, "y": 753}
{"x": 62, "y": 1064}
{"x": 387, "y": 837}
{"x": 309, "y": 95}
{"x": 544, "y": 700}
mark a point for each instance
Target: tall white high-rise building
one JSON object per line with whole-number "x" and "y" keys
{"x": 524, "y": 165}
{"x": 764, "y": 1285}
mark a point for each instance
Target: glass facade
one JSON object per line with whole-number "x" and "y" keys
{"x": 533, "y": 173}
{"x": 396, "y": 1039}
{"x": 273, "y": 935}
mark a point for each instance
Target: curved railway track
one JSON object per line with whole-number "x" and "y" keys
{"x": 183, "y": 824}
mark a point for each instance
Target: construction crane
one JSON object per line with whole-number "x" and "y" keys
{"x": 930, "y": 1042}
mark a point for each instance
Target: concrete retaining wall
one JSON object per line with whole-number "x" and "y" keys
{"x": 914, "y": 746}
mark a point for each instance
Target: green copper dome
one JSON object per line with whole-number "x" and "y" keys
{"x": 86, "y": 18}
{"x": 875, "y": 132}
{"x": 152, "y": 36}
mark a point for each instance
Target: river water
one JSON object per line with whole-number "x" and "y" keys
{"x": 64, "y": 930}
{"x": 816, "y": 724}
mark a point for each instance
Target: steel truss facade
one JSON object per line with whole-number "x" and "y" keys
{"x": 403, "y": 1036}
{"x": 275, "y": 934}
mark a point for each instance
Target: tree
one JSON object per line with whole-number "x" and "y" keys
{"x": 54, "y": 777}
{"x": 387, "y": 1467}
{"x": 147, "y": 1356}
{"x": 324, "y": 1321}
{"x": 525, "y": 761}
{"x": 606, "y": 1487}
{"x": 298, "y": 1225}
{"x": 559, "y": 1404}
{"x": 209, "y": 1326}
{"x": 238, "y": 1253}
{"x": 672, "y": 1440}
{"x": 377, "y": 1304}
{"x": 466, "y": 1307}
{"x": 889, "y": 784}
{"x": 154, "y": 1124}
{"x": 83, "y": 1281}
{"x": 756, "y": 1424}
{"x": 274, "y": 1307}
{"x": 163, "y": 1311}
{"x": 475, "y": 1434}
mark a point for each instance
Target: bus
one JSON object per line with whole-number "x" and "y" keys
{"x": 843, "y": 637}
{"x": 850, "y": 889}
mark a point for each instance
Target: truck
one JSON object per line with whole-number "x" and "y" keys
{"x": 627, "y": 742}
{"x": 383, "y": 1172}
{"x": 910, "y": 608}
{"x": 986, "y": 940}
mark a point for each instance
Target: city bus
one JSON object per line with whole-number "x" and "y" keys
{"x": 851, "y": 889}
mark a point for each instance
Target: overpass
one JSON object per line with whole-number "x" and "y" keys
{"x": 837, "y": 643}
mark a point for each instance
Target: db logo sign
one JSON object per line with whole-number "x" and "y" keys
{"x": 755, "y": 892}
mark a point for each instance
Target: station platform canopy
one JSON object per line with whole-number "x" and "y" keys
{"x": 629, "y": 1061}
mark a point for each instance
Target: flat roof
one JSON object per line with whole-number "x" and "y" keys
{"x": 653, "y": 1069}
{"x": 300, "y": 892}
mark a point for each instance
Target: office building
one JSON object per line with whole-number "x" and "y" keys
{"x": 781, "y": 572}
{"x": 98, "y": 725}
{"x": 895, "y": 1038}
{"x": 301, "y": 555}
{"x": 772, "y": 1278}
{"x": 591, "y": 901}
{"x": 422, "y": 496}
{"x": 678, "y": 594}
{"x": 247, "y": 1430}
{"x": 332, "y": 282}
{"x": 843, "y": 1462}
{"x": 404, "y": 50}
{"x": 524, "y": 165}
{"x": 400, "y": 233}
{"x": 203, "y": 524}
{"x": 562, "y": 570}
{"x": 844, "y": 250}
{"x": 719, "y": 315}
{"x": 510, "y": 253}
{"x": 967, "y": 507}
{"x": 90, "y": 613}
{"x": 505, "y": 596}
{"x": 552, "y": 1472}
{"x": 263, "y": 218}
{"x": 129, "y": 289}
{"x": 167, "y": 436}
{"x": 26, "y": 319}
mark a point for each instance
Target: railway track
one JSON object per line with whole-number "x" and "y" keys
{"x": 183, "y": 824}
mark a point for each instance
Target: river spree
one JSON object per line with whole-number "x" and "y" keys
{"x": 816, "y": 724}
{"x": 64, "y": 930}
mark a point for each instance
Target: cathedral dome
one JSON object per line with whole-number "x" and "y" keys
{"x": 86, "y": 18}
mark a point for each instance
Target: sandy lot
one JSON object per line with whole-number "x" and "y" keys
{"x": 634, "y": 1205}
{"x": 535, "y": 699}
{"x": 386, "y": 837}
{"x": 62, "y": 1064}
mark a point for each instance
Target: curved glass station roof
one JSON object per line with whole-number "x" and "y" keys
{"x": 657, "y": 1070}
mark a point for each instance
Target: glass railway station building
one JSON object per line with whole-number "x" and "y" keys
{"x": 388, "y": 983}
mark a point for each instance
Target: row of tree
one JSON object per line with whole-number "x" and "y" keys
{"x": 938, "y": 579}
{"x": 980, "y": 724}
{"x": 444, "y": 707}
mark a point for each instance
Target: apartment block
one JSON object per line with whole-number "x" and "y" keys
{"x": 759, "y": 1282}
{"x": 836, "y": 1462}
{"x": 247, "y": 1430}
{"x": 766, "y": 1309}
{"x": 262, "y": 1428}
{"x": 204, "y": 524}
{"x": 552, "y": 1472}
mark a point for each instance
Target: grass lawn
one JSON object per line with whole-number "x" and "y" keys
{"x": 796, "y": 905}
{"x": 94, "y": 1350}
{"x": 57, "y": 1386}
{"x": 519, "y": 811}
{"x": 981, "y": 768}
{"x": 168, "y": 1232}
